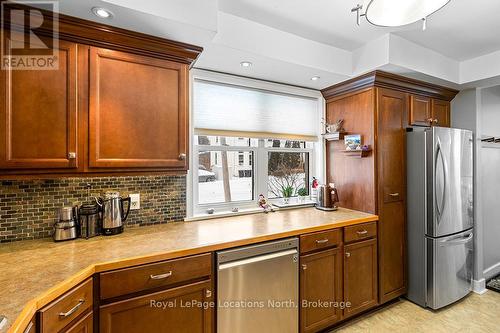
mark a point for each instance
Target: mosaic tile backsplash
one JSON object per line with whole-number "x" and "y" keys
{"x": 28, "y": 207}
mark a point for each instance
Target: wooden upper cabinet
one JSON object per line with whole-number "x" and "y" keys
{"x": 360, "y": 276}
{"x": 320, "y": 280}
{"x": 441, "y": 113}
{"x": 138, "y": 112}
{"x": 426, "y": 111}
{"x": 420, "y": 111}
{"x": 38, "y": 114}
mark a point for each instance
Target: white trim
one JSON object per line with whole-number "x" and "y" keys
{"x": 492, "y": 271}
{"x": 201, "y": 74}
{"x": 479, "y": 287}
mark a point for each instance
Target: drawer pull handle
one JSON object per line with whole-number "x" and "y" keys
{"x": 322, "y": 241}
{"x": 347, "y": 254}
{"x": 363, "y": 232}
{"x": 161, "y": 276}
{"x": 72, "y": 310}
{"x": 394, "y": 194}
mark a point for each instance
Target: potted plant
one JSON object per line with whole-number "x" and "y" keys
{"x": 302, "y": 193}
{"x": 287, "y": 192}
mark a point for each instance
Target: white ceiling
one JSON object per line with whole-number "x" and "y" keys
{"x": 463, "y": 29}
{"x": 290, "y": 41}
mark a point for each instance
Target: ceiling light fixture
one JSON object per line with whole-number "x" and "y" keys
{"x": 245, "y": 64}
{"x": 395, "y": 13}
{"x": 315, "y": 78}
{"x": 102, "y": 12}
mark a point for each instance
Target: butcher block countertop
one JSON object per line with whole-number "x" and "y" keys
{"x": 33, "y": 273}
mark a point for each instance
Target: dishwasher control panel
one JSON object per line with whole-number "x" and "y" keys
{"x": 256, "y": 250}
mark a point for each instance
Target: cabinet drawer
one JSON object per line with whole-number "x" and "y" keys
{"x": 320, "y": 240}
{"x": 66, "y": 308}
{"x": 151, "y": 276}
{"x": 360, "y": 232}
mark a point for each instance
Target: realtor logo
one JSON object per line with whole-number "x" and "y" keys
{"x": 29, "y": 39}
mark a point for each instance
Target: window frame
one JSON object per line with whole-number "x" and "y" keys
{"x": 316, "y": 157}
{"x": 259, "y": 179}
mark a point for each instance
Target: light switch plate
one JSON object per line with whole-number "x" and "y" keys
{"x": 135, "y": 201}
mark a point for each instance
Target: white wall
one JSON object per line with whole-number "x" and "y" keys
{"x": 479, "y": 110}
{"x": 490, "y": 180}
{"x": 465, "y": 115}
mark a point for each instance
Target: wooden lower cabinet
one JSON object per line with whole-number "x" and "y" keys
{"x": 360, "y": 276}
{"x": 162, "y": 312}
{"x": 391, "y": 156}
{"x": 320, "y": 281}
{"x": 84, "y": 325}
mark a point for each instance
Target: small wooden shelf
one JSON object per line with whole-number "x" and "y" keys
{"x": 335, "y": 136}
{"x": 357, "y": 153}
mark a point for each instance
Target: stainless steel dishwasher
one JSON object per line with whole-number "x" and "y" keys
{"x": 258, "y": 288}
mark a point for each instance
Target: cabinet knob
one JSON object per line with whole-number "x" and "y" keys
{"x": 72, "y": 155}
{"x": 208, "y": 293}
{"x": 182, "y": 157}
{"x": 430, "y": 120}
{"x": 304, "y": 267}
{"x": 347, "y": 254}
{"x": 435, "y": 121}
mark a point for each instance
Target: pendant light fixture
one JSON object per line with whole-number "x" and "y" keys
{"x": 395, "y": 13}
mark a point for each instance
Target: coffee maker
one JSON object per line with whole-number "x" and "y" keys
{"x": 65, "y": 227}
{"x": 90, "y": 220}
{"x": 112, "y": 212}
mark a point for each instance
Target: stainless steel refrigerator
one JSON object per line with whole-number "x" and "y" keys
{"x": 440, "y": 215}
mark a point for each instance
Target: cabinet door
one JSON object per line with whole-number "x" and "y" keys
{"x": 162, "y": 312}
{"x": 360, "y": 276}
{"x": 320, "y": 280}
{"x": 441, "y": 113}
{"x": 84, "y": 325}
{"x": 38, "y": 114}
{"x": 420, "y": 111}
{"x": 391, "y": 158}
{"x": 137, "y": 111}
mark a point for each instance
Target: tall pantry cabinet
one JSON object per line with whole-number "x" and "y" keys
{"x": 380, "y": 107}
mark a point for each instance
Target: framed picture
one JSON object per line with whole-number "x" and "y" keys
{"x": 352, "y": 142}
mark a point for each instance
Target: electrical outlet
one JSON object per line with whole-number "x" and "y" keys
{"x": 135, "y": 201}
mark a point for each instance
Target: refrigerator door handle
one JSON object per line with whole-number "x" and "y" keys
{"x": 439, "y": 155}
{"x": 457, "y": 241}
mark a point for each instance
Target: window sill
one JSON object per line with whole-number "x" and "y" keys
{"x": 248, "y": 211}
{"x": 226, "y": 213}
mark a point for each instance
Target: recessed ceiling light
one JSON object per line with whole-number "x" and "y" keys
{"x": 245, "y": 64}
{"x": 102, "y": 12}
{"x": 315, "y": 78}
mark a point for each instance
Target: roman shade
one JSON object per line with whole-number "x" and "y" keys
{"x": 231, "y": 110}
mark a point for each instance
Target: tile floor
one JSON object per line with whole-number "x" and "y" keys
{"x": 475, "y": 313}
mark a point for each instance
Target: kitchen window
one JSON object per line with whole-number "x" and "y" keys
{"x": 247, "y": 142}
